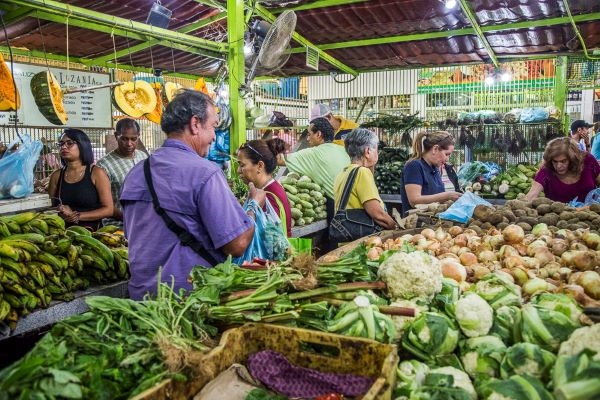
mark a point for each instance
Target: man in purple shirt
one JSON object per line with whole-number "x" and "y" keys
{"x": 194, "y": 193}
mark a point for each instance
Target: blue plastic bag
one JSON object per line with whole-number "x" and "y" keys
{"x": 16, "y": 168}
{"x": 462, "y": 209}
{"x": 219, "y": 149}
{"x": 269, "y": 241}
{"x": 535, "y": 114}
{"x": 592, "y": 197}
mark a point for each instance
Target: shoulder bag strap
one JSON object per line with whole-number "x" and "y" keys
{"x": 347, "y": 189}
{"x": 281, "y": 212}
{"x": 184, "y": 236}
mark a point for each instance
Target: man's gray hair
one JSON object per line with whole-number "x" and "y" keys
{"x": 358, "y": 140}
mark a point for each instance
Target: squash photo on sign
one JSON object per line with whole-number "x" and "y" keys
{"x": 169, "y": 91}
{"x": 156, "y": 114}
{"x": 9, "y": 94}
{"x": 135, "y": 98}
{"x": 49, "y": 97}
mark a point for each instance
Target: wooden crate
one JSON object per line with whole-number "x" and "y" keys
{"x": 354, "y": 356}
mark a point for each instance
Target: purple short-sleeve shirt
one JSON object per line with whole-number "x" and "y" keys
{"x": 195, "y": 194}
{"x": 556, "y": 190}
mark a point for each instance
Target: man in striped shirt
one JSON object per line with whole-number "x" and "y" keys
{"x": 119, "y": 162}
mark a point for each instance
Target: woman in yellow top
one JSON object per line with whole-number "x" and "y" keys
{"x": 361, "y": 145}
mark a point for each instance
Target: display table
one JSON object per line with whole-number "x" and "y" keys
{"x": 305, "y": 230}
{"x": 60, "y": 310}
{"x": 32, "y": 202}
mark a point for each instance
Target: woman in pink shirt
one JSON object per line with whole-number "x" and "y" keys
{"x": 567, "y": 173}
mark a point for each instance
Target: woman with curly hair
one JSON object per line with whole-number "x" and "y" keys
{"x": 567, "y": 173}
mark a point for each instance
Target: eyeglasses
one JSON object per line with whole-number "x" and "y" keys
{"x": 246, "y": 145}
{"x": 67, "y": 143}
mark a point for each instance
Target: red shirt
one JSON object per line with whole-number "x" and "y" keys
{"x": 276, "y": 189}
{"x": 556, "y": 190}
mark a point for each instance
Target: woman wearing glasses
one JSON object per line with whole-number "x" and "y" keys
{"x": 80, "y": 191}
{"x": 257, "y": 161}
{"x": 421, "y": 177}
{"x": 567, "y": 173}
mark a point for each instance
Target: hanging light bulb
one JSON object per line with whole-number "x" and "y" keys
{"x": 489, "y": 80}
{"x": 505, "y": 76}
{"x": 450, "y": 4}
{"x": 248, "y": 49}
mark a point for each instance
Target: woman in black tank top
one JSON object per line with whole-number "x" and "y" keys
{"x": 80, "y": 191}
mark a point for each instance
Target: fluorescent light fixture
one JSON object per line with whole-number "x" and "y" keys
{"x": 450, "y": 4}
{"x": 489, "y": 80}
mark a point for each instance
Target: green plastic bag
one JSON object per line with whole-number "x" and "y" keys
{"x": 301, "y": 244}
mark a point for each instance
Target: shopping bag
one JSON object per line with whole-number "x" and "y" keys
{"x": 462, "y": 209}
{"x": 269, "y": 241}
{"x": 16, "y": 168}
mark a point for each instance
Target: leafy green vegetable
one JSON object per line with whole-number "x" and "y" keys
{"x": 527, "y": 359}
{"x": 516, "y": 387}
{"x": 498, "y": 291}
{"x": 576, "y": 377}
{"x": 545, "y": 327}
{"x": 507, "y": 324}
{"x": 430, "y": 336}
{"x": 481, "y": 356}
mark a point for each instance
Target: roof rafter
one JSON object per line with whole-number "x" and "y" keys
{"x": 153, "y": 42}
{"x": 94, "y": 20}
{"x": 455, "y": 32}
{"x": 466, "y": 8}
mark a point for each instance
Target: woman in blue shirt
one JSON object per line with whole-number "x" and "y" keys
{"x": 421, "y": 178}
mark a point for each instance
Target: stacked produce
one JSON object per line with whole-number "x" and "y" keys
{"x": 41, "y": 261}
{"x": 306, "y": 198}
{"x": 509, "y": 184}
{"x": 388, "y": 171}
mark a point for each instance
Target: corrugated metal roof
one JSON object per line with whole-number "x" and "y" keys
{"x": 329, "y": 26}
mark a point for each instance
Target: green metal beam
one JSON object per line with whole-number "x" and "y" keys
{"x": 95, "y": 18}
{"x": 17, "y": 14}
{"x": 84, "y": 61}
{"x": 454, "y": 32}
{"x": 264, "y": 13}
{"x": 466, "y": 8}
{"x": 154, "y": 42}
{"x": 213, "y": 4}
{"x": 317, "y": 4}
{"x": 236, "y": 75}
{"x": 560, "y": 87}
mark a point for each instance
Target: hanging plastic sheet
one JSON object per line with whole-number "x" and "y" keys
{"x": 16, "y": 168}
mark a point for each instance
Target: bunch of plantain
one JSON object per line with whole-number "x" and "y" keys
{"x": 42, "y": 261}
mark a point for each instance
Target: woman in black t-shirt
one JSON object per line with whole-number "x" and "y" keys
{"x": 80, "y": 191}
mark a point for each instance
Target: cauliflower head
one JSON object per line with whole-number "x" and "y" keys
{"x": 587, "y": 337}
{"x": 474, "y": 315}
{"x": 400, "y": 322}
{"x": 408, "y": 275}
{"x": 461, "y": 379}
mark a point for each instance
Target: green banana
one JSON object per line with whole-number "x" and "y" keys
{"x": 97, "y": 246}
{"x": 22, "y": 244}
{"x": 92, "y": 260}
{"x": 10, "y": 278}
{"x": 72, "y": 255}
{"x": 21, "y": 218}
{"x": 4, "y": 231}
{"x": 109, "y": 239}
{"x": 50, "y": 247}
{"x": 13, "y": 301}
{"x": 79, "y": 264}
{"x": 24, "y": 255}
{"x": 64, "y": 263}
{"x": 56, "y": 288}
{"x": 12, "y": 265}
{"x": 37, "y": 275}
{"x": 42, "y": 267}
{"x": 17, "y": 289}
{"x": 28, "y": 284}
{"x": 34, "y": 238}
{"x": 30, "y": 302}
{"x": 122, "y": 251}
{"x": 8, "y": 251}
{"x": 40, "y": 224}
{"x": 80, "y": 230}
{"x": 53, "y": 221}
{"x": 50, "y": 260}
{"x": 63, "y": 245}
{"x": 109, "y": 229}
{"x": 12, "y": 226}
{"x": 4, "y": 309}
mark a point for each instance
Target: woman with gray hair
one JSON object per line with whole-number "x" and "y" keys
{"x": 361, "y": 145}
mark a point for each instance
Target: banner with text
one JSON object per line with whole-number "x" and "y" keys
{"x": 84, "y": 109}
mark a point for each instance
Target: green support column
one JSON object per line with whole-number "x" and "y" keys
{"x": 236, "y": 77}
{"x": 560, "y": 88}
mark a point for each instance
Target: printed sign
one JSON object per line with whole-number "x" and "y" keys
{"x": 84, "y": 109}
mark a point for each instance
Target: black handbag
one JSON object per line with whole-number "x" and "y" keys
{"x": 349, "y": 225}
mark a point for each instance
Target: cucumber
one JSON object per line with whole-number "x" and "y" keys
{"x": 296, "y": 213}
{"x": 306, "y": 204}
{"x": 308, "y": 213}
{"x": 290, "y": 189}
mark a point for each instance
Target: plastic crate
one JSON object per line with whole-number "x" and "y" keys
{"x": 353, "y": 356}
